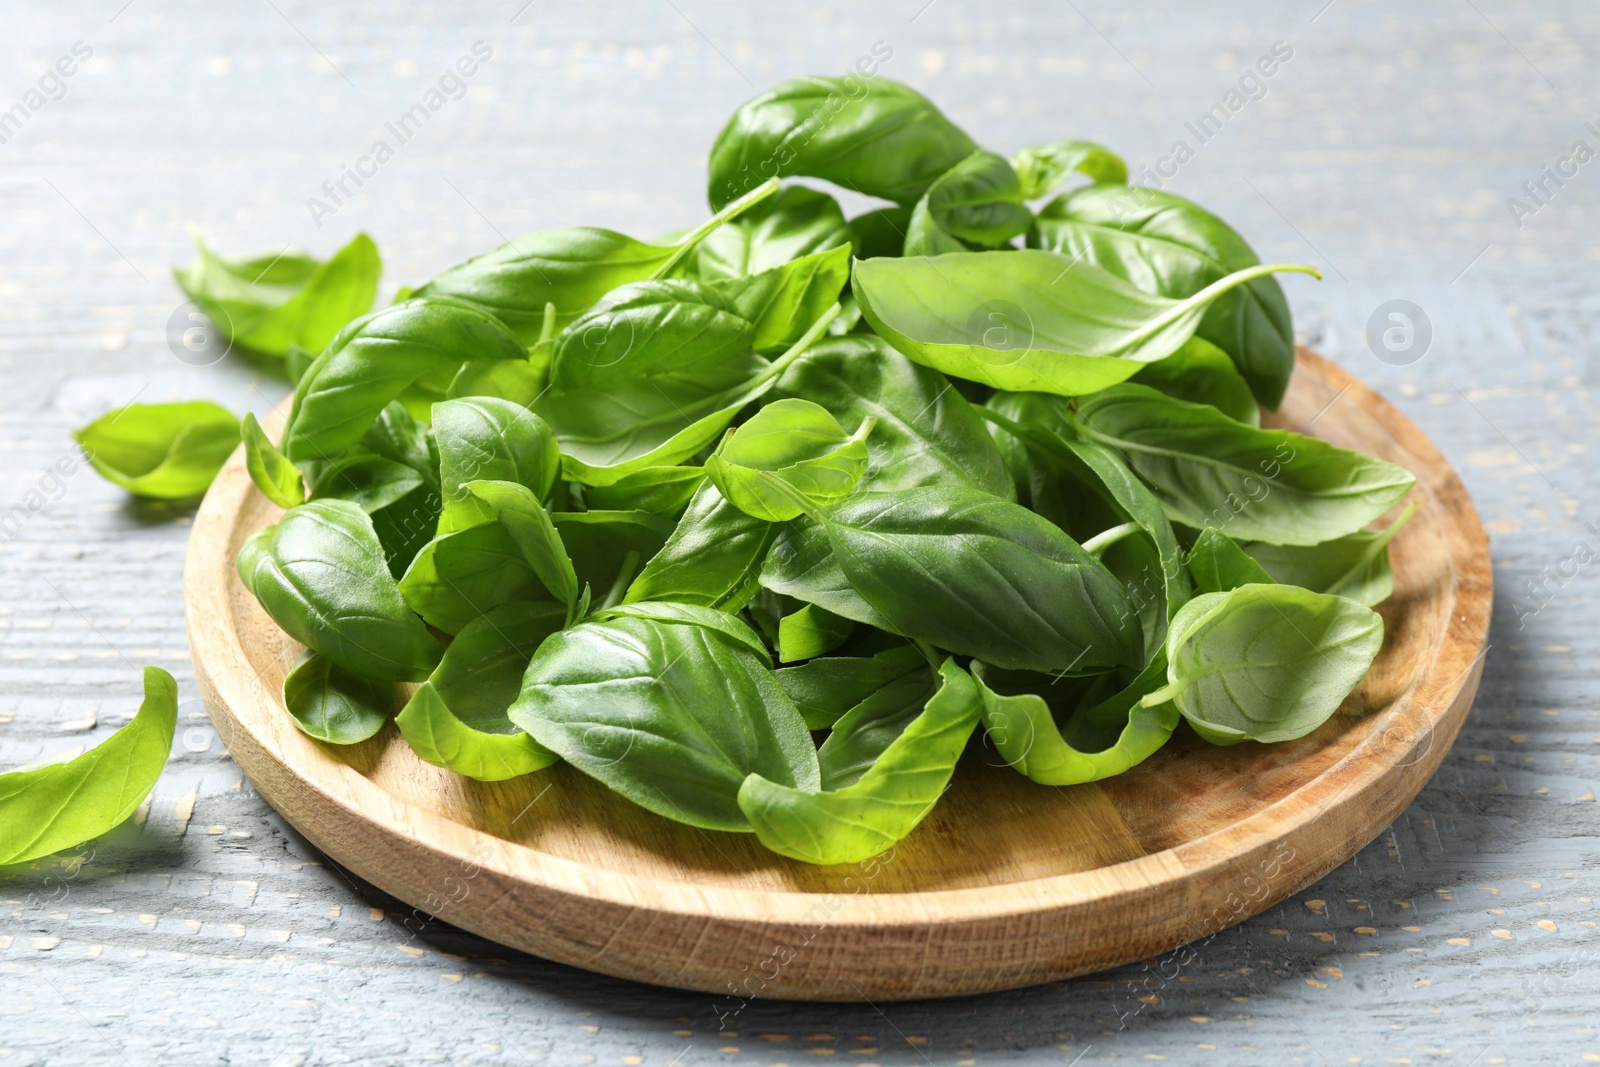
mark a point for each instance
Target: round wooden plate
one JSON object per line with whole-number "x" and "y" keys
{"x": 1006, "y": 884}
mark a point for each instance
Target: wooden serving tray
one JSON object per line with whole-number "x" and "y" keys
{"x": 1006, "y": 884}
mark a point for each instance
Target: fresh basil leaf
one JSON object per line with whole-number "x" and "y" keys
{"x": 884, "y": 767}
{"x": 727, "y": 625}
{"x": 491, "y": 439}
{"x": 607, "y": 547}
{"x": 672, "y": 714}
{"x": 881, "y": 232}
{"x": 880, "y": 139}
{"x": 794, "y": 224}
{"x": 673, "y": 331}
{"x": 531, "y": 528}
{"x": 1355, "y": 566}
{"x": 662, "y": 490}
{"x": 1053, "y": 745}
{"x": 49, "y": 808}
{"x": 801, "y": 564}
{"x": 334, "y": 705}
{"x": 405, "y": 527}
{"x": 811, "y": 632}
{"x": 161, "y": 451}
{"x": 1218, "y": 565}
{"x": 519, "y": 381}
{"x": 784, "y": 300}
{"x": 824, "y": 689}
{"x": 1202, "y": 373}
{"x": 976, "y": 203}
{"x": 1029, "y": 320}
{"x": 1041, "y": 168}
{"x": 712, "y": 559}
{"x": 396, "y": 435}
{"x": 320, "y": 573}
{"x": 438, "y": 737}
{"x": 373, "y": 360}
{"x": 926, "y": 432}
{"x": 1165, "y": 244}
{"x": 1253, "y": 484}
{"x": 796, "y": 443}
{"x": 270, "y": 469}
{"x": 1266, "y": 662}
{"x": 368, "y": 481}
{"x": 461, "y": 575}
{"x": 296, "y": 361}
{"x": 276, "y": 300}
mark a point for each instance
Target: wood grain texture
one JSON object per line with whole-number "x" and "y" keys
{"x": 1006, "y": 884}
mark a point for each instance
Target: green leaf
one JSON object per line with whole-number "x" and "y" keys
{"x": 607, "y": 547}
{"x": 1258, "y": 485}
{"x": 1354, "y": 566}
{"x": 794, "y": 442}
{"x": 926, "y": 433}
{"x": 1266, "y": 662}
{"x": 461, "y": 575}
{"x": 334, "y": 705}
{"x": 680, "y": 333}
{"x": 673, "y": 714}
{"x": 1218, "y": 565}
{"x": 490, "y": 439}
{"x": 824, "y": 689}
{"x": 375, "y": 358}
{"x": 161, "y": 451}
{"x": 801, "y": 564}
{"x": 531, "y": 528}
{"x": 878, "y": 138}
{"x": 275, "y": 300}
{"x": 1165, "y": 244}
{"x": 368, "y": 481}
{"x": 320, "y": 573}
{"x": 793, "y": 225}
{"x": 784, "y": 300}
{"x": 881, "y": 232}
{"x": 59, "y": 805}
{"x": 296, "y": 362}
{"x": 270, "y": 469}
{"x": 1029, "y": 320}
{"x": 443, "y": 740}
{"x": 1202, "y": 373}
{"x": 811, "y": 632}
{"x": 976, "y": 203}
{"x": 662, "y": 490}
{"x": 884, "y": 767}
{"x": 1060, "y": 746}
{"x": 712, "y": 559}
{"x": 1041, "y": 168}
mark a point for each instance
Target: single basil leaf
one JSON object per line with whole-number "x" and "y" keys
{"x": 568, "y": 270}
{"x": 1253, "y": 484}
{"x": 980, "y": 576}
{"x": 370, "y": 482}
{"x": 976, "y": 203}
{"x": 1041, "y": 168}
{"x": 320, "y": 573}
{"x": 801, "y": 564}
{"x": 334, "y": 705}
{"x": 884, "y": 767}
{"x": 811, "y": 632}
{"x": 461, "y": 575}
{"x": 270, "y": 469}
{"x": 1029, "y": 320}
{"x": 1202, "y": 373}
{"x": 438, "y": 737}
{"x": 878, "y": 138}
{"x": 1052, "y": 745}
{"x": 824, "y": 689}
{"x": 490, "y": 439}
{"x": 792, "y": 225}
{"x": 607, "y": 547}
{"x": 373, "y": 360}
{"x": 1355, "y": 566}
{"x": 794, "y": 442}
{"x": 1218, "y": 565}
{"x": 519, "y": 381}
{"x": 712, "y": 559}
{"x": 662, "y": 490}
{"x": 784, "y": 300}
{"x": 673, "y": 331}
{"x": 926, "y": 433}
{"x": 161, "y": 451}
{"x": 276, "y": 300}
{"x": 531, "y": 528}
{"x": 881, "y": 232}
{"x": 1165, "y": 244}
{"x": 1266, "y": 662}
{"x": 49, "y": 808}
{"x": 672, "y": 714}
{"x": 727, "y": 625}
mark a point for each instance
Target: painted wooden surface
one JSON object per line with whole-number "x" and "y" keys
{"x": 1385, "y": 149}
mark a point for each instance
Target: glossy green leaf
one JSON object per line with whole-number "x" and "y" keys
{"x": 824, "y": 689}
{"x": 438, "y": 737}
{"x": 609, "y": 547}
{"x": 1041, "y": 168}
{"x": 877, "y": 137}
{"x": 662, "y": 490}
{"x": 811, "y": 632}
{"x": 531, "y": 528}
{"x": 884, "y": 767}
{"x": 801, "y": 564}
{"x": 49, "y": 808}
{"x": 368, "y": 481}
{"x": 161, "y": 451}
{"x": 461, "y": 575}
{"x": 679, "y": 333}
{"x": 1266, "y": 662}
{"x": 881, "y": 232}
{"x": 1029, "y": 320}
{"x": 793, "y": 225}
{"x": 796, "y": 443}
{"x": 275, "y": 300}
{"x": 673, "y": 714}
{"x": 712, "y": 559}
{"x": 321, "y": 574}
{"x": 270, "y": 469}
{"x": 490, "y": 439}
{"x": 1165, "y": 244}
{"x": 784, "y": 300}
{"x": 976, "y": 203}
{"x": 1354, "y": 566}
{"x": 1218, "y": 565}
{"x": 1202, "y": 373}
{"x": 334, "y": 705}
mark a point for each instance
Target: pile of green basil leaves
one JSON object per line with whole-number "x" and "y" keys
{"x": 672, "y": 511}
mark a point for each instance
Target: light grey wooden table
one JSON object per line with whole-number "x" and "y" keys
{"x": 1384, "y": 147}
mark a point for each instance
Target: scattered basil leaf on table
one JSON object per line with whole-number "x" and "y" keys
{"x": 270, "y": 469}
{"x": 335, "y": 705}
{"x": 161, "y": 451}
{"x": 46, "y": 809}
{"x": 797, "y": 443}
